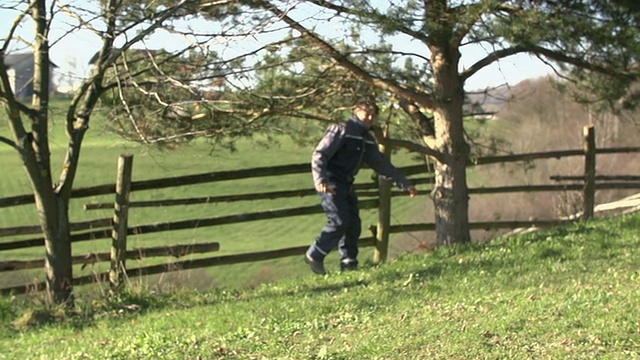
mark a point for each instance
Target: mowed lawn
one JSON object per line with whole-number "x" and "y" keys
{"x": 99, "y": 158}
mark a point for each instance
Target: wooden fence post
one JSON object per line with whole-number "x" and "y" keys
{"x": 120, "y": 217}
{"x": 384, "y": 208}
{"x": 589, "y": 171}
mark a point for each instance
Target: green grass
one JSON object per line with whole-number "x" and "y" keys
{"x": 98, "y": 166}
{"x": 563, "y": 293}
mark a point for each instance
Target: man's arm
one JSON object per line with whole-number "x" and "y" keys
{"x": 378, "y": 162}
{"x": 324, "y": 151}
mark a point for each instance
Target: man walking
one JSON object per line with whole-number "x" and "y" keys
{"x": 334, "y": 165}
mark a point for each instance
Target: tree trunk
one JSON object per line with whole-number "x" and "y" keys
{"x": 52, "y": 206}
{"x": 54, "y": 219}
{"x": 450, "y": 194}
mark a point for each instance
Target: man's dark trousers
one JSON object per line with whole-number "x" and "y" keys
{"x": 343, "y": 226}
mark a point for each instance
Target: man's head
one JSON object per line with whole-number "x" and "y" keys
{"x": 367, "y": 112}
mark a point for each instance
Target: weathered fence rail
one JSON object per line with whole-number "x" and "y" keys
{"x": 117, "y": 229}
{"x": 36, "y": 229}
{"x": 155, "y": 184}
{"x": 135, "y": 254}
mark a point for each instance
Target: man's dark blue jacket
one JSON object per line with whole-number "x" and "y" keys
{"x": 344, "y": 147}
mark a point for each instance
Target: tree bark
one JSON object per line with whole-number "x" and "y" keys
{"x": 450, "y": 194}
{"x": 54, "y": 219}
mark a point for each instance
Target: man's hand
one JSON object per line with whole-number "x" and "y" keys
{"x": 412, "y": 191}
{"x": 325, "y": 188}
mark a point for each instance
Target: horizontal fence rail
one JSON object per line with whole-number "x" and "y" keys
{"x": 364, "y": 190}
{"x": 175, "y": 251}
{"x": 172, "y": 182}
{"x": 489, "y": 225}
{"x": 289, "y": 169}
{"x": 597, "y": 177}
{"x": 36, "y": 229}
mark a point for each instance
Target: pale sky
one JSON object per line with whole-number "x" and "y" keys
{"x": 73, "y": 52}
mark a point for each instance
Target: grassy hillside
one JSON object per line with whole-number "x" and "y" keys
{"x": 98, "y": 166}
{"x": 564, "y": 293}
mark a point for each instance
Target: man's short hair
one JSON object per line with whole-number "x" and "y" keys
{"x": 368, "y": 106}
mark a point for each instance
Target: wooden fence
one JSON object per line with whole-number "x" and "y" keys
{"x": 118, "y": 230}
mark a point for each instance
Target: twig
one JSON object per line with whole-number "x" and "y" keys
{"x": 9, "y": 142}
{"x": 14, "y": 27}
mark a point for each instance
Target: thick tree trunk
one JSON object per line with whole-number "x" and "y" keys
{"x": 450, "y": 197}
{"x": 450, "y": 193}
{"x": 54, "y": 219}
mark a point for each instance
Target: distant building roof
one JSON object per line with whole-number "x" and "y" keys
{"x": 22, "y": 67}
{"x": 20, "y": 61}
{"x": 15, "y": 60}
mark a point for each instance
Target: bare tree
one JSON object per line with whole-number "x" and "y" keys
{"x": 119, "y": 73}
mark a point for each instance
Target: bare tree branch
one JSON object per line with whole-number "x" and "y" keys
{"x": 9, "y": 142}
{"x": 91, "y": 89}
{"x": 491, "y": 58}
{"x": 580, "y": 62}
{"x": 469, "y": 15}
{"x": 427, "y": 132}
{"x": 401, "y": 53}
{"x": 82, "y": 23}
{"x": 416, "y": 148}
{"x": 15, "y": 25}
{"x": 124, "y": 103}
{"x": 377, "y": 17}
